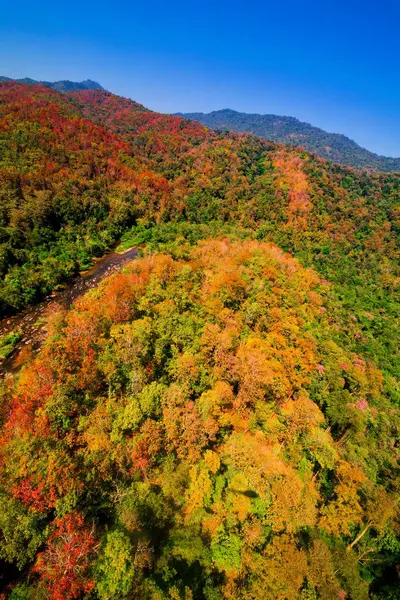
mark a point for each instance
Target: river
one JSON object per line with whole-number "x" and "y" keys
{"x": 31, "y": 321}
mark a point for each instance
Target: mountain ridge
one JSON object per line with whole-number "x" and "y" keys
{"x": 64, "y": 85}
{"x": 336, "y": 147}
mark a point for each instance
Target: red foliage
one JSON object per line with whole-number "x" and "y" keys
{"x": 63, "y": 565}
{"x": 32, "y": 495}
{"x": 37, "y": 385}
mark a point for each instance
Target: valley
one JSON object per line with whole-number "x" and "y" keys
{"x": 218, "y": 417}
{"x": 30, "y": 323}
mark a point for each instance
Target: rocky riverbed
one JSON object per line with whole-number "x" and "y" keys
{"x": 30, "y": 324}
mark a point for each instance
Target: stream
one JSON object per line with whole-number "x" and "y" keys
{"x": 31, "y": 321}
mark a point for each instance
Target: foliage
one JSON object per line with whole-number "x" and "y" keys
{"x": 197, "y": 425}
{"x": 8, "y": 343}
{"x": 63, "y": 564}
{"x": 115, "y": 567}
{"x": 288, "y": 130}
{"x": 220, "y": 420}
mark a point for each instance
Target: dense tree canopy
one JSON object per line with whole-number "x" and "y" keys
{"x": 192, "y": 429}
{"x": 221, "y": 419}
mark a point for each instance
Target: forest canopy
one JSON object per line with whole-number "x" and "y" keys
{"x": 192, "y": 429}
{"x": 220, "y": 420}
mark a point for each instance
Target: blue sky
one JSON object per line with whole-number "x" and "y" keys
{"x": 335, "y": 64}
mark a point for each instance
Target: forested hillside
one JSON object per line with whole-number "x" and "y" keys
{"x": 220, "y": 420}
{"x": 288, "y": 130}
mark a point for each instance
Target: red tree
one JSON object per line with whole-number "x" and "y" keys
{"x": 63, "y": 565}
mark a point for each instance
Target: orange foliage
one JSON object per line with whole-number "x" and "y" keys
{"x": 292, "y": 175}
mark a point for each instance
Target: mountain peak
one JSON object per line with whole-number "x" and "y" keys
{"x": 92, "y": 85}
{"x": 225, "y": 111}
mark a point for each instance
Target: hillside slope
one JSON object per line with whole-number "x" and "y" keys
{"x": 288, "y": 130}
{"x": 221, "y": 420}
{"x": 196, "y": 428}
{"x": 71, "y": 187}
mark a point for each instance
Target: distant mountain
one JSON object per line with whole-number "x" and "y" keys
{"x": 60, "y": 86}
{"x": 288, "y": 130}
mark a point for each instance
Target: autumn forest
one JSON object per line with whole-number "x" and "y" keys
{"x": 219, "y": 420}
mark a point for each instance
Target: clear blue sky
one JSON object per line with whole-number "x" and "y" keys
{"x": 335, "y": 64}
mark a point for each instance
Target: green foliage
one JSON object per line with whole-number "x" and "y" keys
{"x": 225, "y": 551}
{"x": 22, "y": 531}
{"x": 20, "y": 592}
{"x": 115, "y": 571}
{"x": 8, "y": 343}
